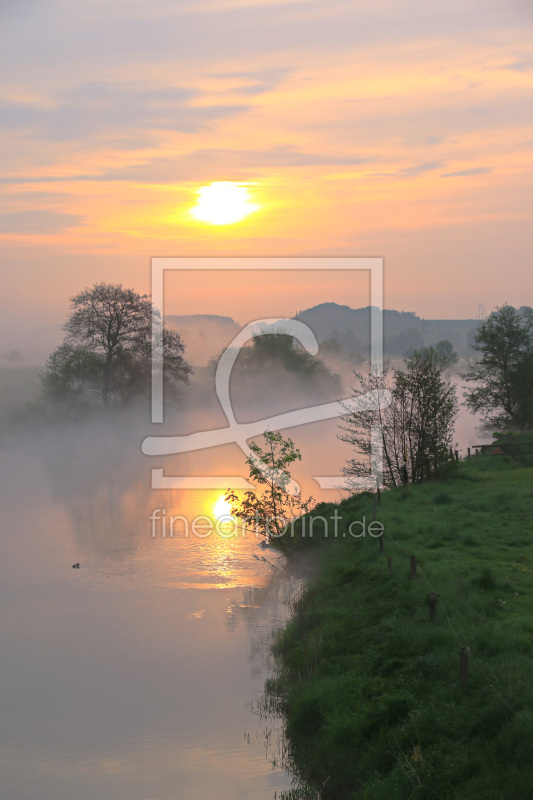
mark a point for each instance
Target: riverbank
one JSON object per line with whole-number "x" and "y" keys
{"x": 374, "y": 699}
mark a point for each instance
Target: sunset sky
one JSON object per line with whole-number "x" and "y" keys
{"x": 363, "y": 128}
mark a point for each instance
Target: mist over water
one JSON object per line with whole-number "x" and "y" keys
{"x": 133, "y": 676}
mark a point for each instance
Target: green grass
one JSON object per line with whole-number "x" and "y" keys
{"x": 369, "y": 686}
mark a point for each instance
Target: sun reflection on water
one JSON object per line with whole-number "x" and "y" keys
{"x": 222, "y": 507}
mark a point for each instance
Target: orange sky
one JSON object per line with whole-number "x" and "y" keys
{"x": 401, "y": 130}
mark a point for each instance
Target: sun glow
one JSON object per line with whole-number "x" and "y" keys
{"x": 222, "y": 507}
{"x": 223, "y": 203}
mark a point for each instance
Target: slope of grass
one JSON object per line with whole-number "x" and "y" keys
{"x": 369, "y": 686}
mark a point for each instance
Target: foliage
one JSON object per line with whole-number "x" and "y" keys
{"x": 503, "y": 375}
{"x": 369, "y": 687}
{"x": 445, "y": 350}
{"x": 416, "y": 429}
{"x": 272, "y": 349}
{"x": 271, "y": 511}
{"x": 71, "y": 372}
{"x": 107, "y": 349}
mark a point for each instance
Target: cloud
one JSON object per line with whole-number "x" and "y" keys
{"x": 412, "y": 171}
{"x": 256, "y": 81}
{"x": 109, "y": 109}
{"x": 203, "y": 164}
{"x": 464, "y": 172}
{"x": 419, "y": 169}
{"x": 520, "y": 66}
{"x": 38, "y": 222}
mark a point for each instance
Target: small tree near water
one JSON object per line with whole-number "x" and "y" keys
{"x": 270, "y": 510}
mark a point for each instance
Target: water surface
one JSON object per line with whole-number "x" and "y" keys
{"x": 133, "y": 676}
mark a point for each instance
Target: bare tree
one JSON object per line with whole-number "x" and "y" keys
{"x": 415, "y": 430}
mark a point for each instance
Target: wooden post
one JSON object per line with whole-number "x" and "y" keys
{"x": 380, "y": 538}
{"x": 389, "y": 564}
{"x": 433, "y": 605}
{"x": 457, "y": 455}
{"x": 463, "y": 668}
{"x": 469, "y": 453}
{"x": 412, "y": 561}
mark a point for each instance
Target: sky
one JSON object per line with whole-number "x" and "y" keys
{"x": 360, "y": 128}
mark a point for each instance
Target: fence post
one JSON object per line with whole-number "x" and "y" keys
{"x": 463, "y": 668}
{"x": 412, "y": 563}
{"x": 469, "y": 453}
{"x": 380, "y": 538}
{"x": 457, "y": 455}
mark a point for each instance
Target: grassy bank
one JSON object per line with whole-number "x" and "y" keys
{"x": 370, "y": 687}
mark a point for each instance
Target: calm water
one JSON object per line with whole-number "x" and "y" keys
{"x": 131, "y": 677}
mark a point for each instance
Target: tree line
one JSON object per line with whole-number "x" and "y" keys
{"x": 106, "y": 355}
{"x": 416, "y": 428}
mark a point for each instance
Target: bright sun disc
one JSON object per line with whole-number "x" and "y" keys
{"x": 222, "y": 508}
{"x": 222, "y": 203}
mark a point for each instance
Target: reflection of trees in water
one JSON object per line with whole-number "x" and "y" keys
{"x": 263, "y": 610}
{"x": 101, "y": 479}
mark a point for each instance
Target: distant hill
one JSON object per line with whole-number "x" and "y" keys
{"x": 342, "y": 329}
{"x": 338, "y": 327}
{"x": 204, "y": 335}
{"x": 403, "y": 330}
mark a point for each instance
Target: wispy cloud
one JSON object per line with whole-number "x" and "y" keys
{"x": 109, "y": 109}
{"x": 411, "y": 171}
{"x": 199, "y": 165}
{"x": 38, "y": 222}
{"x": 420, "y": 169}
{"x": 465, "y": 172}
{"x": 520, "y": 66}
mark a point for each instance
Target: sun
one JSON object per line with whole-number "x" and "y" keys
{"x": 222, "y": 203}
{"x": 222, "y": 507}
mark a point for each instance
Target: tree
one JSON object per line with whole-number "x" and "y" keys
{"x": 71, "y": 373}
{"x": 107, "y": 348}
{"x": 271, "y": 349}
{"x": 503, "y": 390}
{"x": 272, "y": 510}
{"x": 415, "y": 430}
{"x": 445, "y": 350}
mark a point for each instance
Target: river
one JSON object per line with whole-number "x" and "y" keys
{"x": 134, "y": 676}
